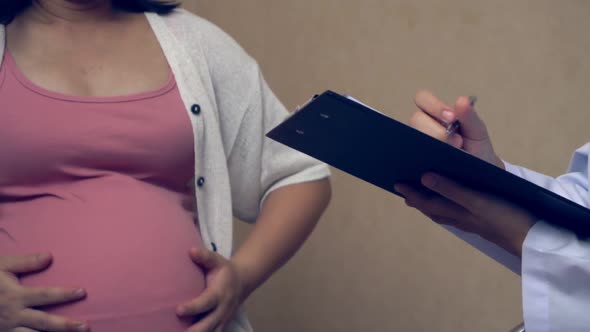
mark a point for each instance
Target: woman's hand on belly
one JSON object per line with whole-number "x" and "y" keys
{"x": 217, "y": 305}
{"x": 17, "y": 303}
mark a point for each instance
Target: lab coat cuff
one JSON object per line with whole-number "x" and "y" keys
{"x": 544, "y": 237}
{"x": 511, "y": 168}
{"x": 535, "y": 283}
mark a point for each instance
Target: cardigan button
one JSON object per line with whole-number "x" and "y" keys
{"x": 201, "y": 181}
{"x": 196, "y": 109}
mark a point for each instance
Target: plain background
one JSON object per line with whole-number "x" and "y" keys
{"x": 373, "y": 264}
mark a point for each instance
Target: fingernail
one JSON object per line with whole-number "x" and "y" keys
{"x": 429, "y": 180}
{"x": 43, "y": 256}
{"x": 448, "y": 116}
{"x": 456, "y": 140}
{"x": 400, "y": 190}
{"x": 80, "y": 292}
{"x": 181, "y": 310}
{"x": 82, "y": 327}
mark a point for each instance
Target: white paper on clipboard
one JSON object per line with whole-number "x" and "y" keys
{"x": 360, "y": 102}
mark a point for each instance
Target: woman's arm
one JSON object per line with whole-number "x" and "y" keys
{"x": 288, "y": 216}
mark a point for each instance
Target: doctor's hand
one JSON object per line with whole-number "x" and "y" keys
{"x": 223, "y": 295}
{"x": 494, "y": 219}
{"x": 18, "y": 304}
{"x": 433, "y": 116}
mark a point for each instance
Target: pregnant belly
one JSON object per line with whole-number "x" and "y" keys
{"x": 128, "y": 247}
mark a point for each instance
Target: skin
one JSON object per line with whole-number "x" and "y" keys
{"x": 496, "y": 220}
{"x": 76, "y": 47}
{"x": 17, "y": 303}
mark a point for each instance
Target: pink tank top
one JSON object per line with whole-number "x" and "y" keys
{"x": 102, "y": 184}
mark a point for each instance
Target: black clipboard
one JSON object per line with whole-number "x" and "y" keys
{"x": 382, "y": 151}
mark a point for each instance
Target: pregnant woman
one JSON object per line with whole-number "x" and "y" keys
{"x": 131, "y": 134}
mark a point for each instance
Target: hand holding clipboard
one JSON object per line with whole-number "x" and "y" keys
{"x": 493, "y": 218}
{"x": 384, "y": 152}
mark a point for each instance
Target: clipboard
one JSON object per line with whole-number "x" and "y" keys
{"x": 369, "y": 145}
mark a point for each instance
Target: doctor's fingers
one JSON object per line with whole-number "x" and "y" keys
{"x": 478, "y": 203}
{"x": 432, "y": 127}
{"x": 472, "y": 126}
{"x": 434, "y": 107}
{"x": 432, "y": 206}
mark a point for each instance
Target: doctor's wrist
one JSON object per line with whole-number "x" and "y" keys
{"x": 512, "y": 239}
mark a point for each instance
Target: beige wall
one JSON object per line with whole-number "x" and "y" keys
{"x": 372, "y": 264}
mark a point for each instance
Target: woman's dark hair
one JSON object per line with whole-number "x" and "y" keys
{"x": 9, "y": 9}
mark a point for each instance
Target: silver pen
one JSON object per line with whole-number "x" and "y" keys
{"x": 455, "y": 125}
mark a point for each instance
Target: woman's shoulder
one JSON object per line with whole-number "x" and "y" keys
{"x": 195, "y": 31}
{"x": 233, "y": 73}
{"x": 184, "y": 21}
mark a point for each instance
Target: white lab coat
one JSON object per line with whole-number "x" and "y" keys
{"x": 555, "y": 265}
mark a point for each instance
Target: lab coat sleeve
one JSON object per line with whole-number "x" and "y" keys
{"x": 555, "y": 280}
{"x": 490, "y": 249}
{"x": 573, "y": 185}
{"x": 555, "y": 264}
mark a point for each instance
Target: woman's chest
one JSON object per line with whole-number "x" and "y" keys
{"x": 109, "y": 61}
{"x": 55, "y": 137}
